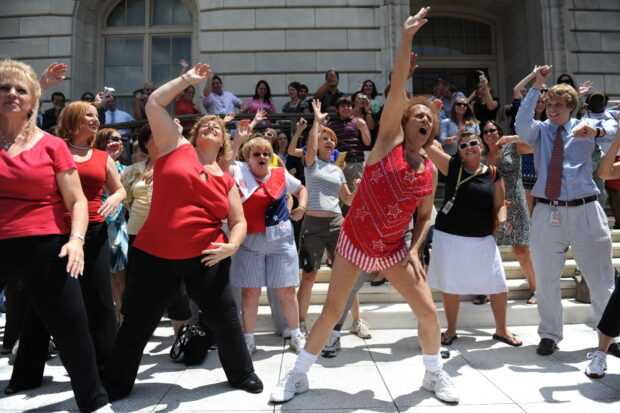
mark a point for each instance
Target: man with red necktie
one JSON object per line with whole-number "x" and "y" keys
{"x": 567, "y": 212}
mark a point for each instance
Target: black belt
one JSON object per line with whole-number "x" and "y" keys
{"x": 572, "y": 202}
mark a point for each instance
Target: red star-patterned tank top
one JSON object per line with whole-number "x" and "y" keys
{"x": 388, "y": 195}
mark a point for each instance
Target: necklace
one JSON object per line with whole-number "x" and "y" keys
{"x": 78, "y": 147}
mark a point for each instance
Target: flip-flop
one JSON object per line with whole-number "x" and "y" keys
{"x": 532, "y": 299}
{"x": 506, "y": 339}
{"x": 447, "y": 340}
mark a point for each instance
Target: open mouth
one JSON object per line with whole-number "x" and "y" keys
{"x": 423, "y": 131}
{"x": 262, "y": 163}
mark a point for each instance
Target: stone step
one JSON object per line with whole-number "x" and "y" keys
{"x": 399, "y": 315}
{"x": 518, "y": 289}
{"x": 508, "y": 255}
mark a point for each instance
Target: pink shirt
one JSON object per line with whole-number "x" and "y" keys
{"x": 30, "y": 199}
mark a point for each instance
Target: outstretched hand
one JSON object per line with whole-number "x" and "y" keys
{"x": 244, "y": 130}
{"x": 415, "y": 23}
{"x": 197, "y": 73}
{"x": 585, "y": 87}
{"x": 319, "y": 116}
{"x": 52, "y": 75}
{"x": 542, "y": 74}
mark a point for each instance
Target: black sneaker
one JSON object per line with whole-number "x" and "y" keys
{"x": 546, "y": 347}
{"x": 333, "y": 345}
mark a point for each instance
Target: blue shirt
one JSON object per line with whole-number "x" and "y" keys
{"x": 118, "y": 116}
{"x": 577, "y": 179}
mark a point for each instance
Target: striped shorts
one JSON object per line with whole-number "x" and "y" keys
{"x": 369, "y": 264}
{"x": 261, "y": 263}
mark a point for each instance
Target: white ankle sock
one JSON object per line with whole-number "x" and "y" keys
{"x": 432, "y": 362}
{"x": 304, "y": 361}
{"x": 296, "y": 332}
{"x": 336, "y": 333}
{"x": 250, "y": 336}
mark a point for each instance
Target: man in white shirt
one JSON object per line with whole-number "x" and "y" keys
{"x": 216, "y": 100}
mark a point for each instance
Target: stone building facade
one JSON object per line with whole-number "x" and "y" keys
{"x": 122, "y": 43}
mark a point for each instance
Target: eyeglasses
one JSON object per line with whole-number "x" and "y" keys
{"x": 259, "y": 154}
{"x": 472, "y": 144}
{"x": 489, "y": 131}
{"x": 462, "y": 104}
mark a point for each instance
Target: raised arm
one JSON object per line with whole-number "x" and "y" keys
{"x": 526, "y": 127}
{"x": 244, "y": 130}
{"x": 313, "y": 138}
{"x": 166, "y": 132}
{"x": 438, "y": 156}
{"x": 293, "y": 150}
{"x": 52, "y": 75}
{"x": 516, "y": 91}
{"x": 389, "y": 124}
{"x": 206, "y": 91}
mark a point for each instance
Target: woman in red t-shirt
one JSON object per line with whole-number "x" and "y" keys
{"x": 38, "y": 184}
{"x": 77, "y": 125}
{"x": 184, "y": 105}
{"x": 182, "y": 240}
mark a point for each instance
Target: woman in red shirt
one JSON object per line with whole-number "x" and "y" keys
{"x": 182, "y": 240}
{"x": 38, "y": 184}
{"x": 77, "y": 125}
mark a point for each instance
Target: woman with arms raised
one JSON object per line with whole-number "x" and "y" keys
{"x": 372, "y": 234}
{"x": 38, "y": 180}
{"x": 182, "y": 239}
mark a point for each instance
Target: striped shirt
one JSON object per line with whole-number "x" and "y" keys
{"x": 349, "y": 138}
{"x": 323, "y": 181}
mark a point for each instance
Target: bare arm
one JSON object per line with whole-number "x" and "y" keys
{"x": 75, "y": 202}
{"x": 302, "y": 202}
{"x": 313, "y": 138}
{"x": 420, "y": 229}
{"x": 293, "y": 150}
{"x": 438, "y": 156}
{"x": 115, "y": 189}
{"x": 389, "y": 125}
{"x": 499, "y": 195}
{"x": 206, "y": 91}
{"x": 52, "y": 75}
{"x": 166, "y": 132}
{"x": 347, "y": 196}
{"x": 516, "y": 91}
{"x": 238, "y": 229}
{"x": 320, "y": 92}
{"x": 363, "y": 127}
{"x": 243, "y": 133}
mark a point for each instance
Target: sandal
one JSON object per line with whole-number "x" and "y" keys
{"x": 447, "y": 340}
{"x": 532, "y": 299}
{"x": 507, "y": 340}
{"x": 480, "y": 299}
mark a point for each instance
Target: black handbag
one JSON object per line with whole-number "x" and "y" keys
{"x": 190, "y": 345}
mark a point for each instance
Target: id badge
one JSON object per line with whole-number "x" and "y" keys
{"x": 281, "y": 230}
{"x": 447, "y": 207}
{"x": 554, "y": 218}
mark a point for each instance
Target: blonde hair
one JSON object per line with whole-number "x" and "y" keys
{"x": 14, "y": 70}
{"x": 225, "y": 151}
{"x": 70, "y": 120}
{"x": 102, "y": 137}
{"x": 258, "y": 142}
{"x": 565, "y": 92}
{"x": 422, "y": 100}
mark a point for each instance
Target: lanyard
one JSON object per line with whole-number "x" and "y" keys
{"x": 460, "y": 182}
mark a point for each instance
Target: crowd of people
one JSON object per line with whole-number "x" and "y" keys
{"x": 94, "y": 251}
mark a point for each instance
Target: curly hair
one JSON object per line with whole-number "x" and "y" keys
{"x": 13, "y": 70}
{"x": 225, "y": 151}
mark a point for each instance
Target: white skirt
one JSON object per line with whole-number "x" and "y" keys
{"x": 466, "y": 265}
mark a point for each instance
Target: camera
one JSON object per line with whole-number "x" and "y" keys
{"x": 364, "y": 97}
{"x": 108, "y": 89}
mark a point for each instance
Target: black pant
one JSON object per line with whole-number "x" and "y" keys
{"x": 610, "y": 321}
{"x": 15, "y": 307}
{"x": 97, "y": 295}
{"x": 57, "y": 299}
{"x": 152, "y": 285}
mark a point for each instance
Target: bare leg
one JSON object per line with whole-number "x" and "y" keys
{"x": 603, "y": 342}
{"x": 522, "y": 253}
{"x": 249, "y": 308}
{"x": 355, "y": 309}
{"x": 290, "y": 307}
{"x": 418, "y": 295}
{"x": 304, "y": 293}
{"x": 499, "y": 305}
{"x": 344, "y": 275}
{"x": 451, "y": 303}
{"x": 118, "y": 286}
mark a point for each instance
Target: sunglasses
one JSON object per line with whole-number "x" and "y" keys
{"x": 472, "y": 144}
{"x": 259, "y": 154}
{"x": 88, "y": 99}
{"x": 460, "y": 104}
{"x": 543, "y": 90}
{"x": 114, "y": 138}
{"x": 489, "y": 131}
{"x": 269, "y": 134}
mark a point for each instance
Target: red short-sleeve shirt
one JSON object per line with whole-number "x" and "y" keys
{"x": 93, "y": 173}
{"x": 30, "y": 200}
{"x": 186, "y": 210}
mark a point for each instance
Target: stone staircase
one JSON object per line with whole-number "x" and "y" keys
{"x": 384, "y": 308}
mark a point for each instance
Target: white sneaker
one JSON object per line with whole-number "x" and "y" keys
{"x": 286, "y": 333}
{"x": 598, "y": 365}
{"x": 333, "y": 345}
{"x": 304, "y": 328}
{"x": 298, "y": 342}
{"x": 441, "y": 384}
{"x": 292, "y": 384}
{"x": 105, "y": 409}
{"x": 249, "y": 343}
{"x": 361, "y": 328}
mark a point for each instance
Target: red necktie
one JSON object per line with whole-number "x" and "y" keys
{"x": 554, "y": 173}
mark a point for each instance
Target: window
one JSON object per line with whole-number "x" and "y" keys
{"x": 144, "y": 40}
{"x": 454, "y": 36}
